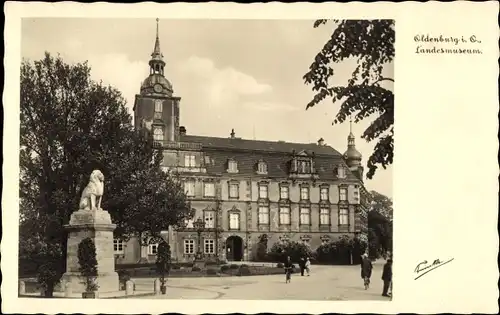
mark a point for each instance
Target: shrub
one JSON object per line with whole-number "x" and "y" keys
{"x": 88, "y": 263}
{"x": 211, "y": 272}
{"x": 234, "y": 266}
{"x": 244, "y": 271}
{"x": 224, "y": 268}
{"x": 280, "y": 265}
{"x": 196, "y": 268}
{"x": 176, "y": 267}
{"x": 163, "y": 261}
{"x": 261, "y": 252}
{"x": 296, "y": 250}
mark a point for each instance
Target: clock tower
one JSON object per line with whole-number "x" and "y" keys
{"x": 156, "y": 108}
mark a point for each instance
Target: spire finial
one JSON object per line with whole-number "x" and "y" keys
{"x": 350, "y": 124}
{"x": 157, "y": 32}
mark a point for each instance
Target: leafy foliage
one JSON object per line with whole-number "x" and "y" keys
{"x": 296, "y": 250}
{"x": 163, "y": 260}
{"x": 342, "y": 250}
{"x": 71, "y": 125}
{"x": 371, "y": 44}
{"x": 380, "y": 225}
{"x": 87, "y": 258}
{"x": 261, "y": 253}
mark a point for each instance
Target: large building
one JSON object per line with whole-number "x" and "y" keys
{"x": 243, "y": 188}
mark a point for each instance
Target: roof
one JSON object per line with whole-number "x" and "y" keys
{"x": 276, "y": 154}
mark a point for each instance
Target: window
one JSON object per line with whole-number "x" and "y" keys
{"x": 341, "y": 172}
{"x": 343, "y": 216}
{"x": 234, "y": 191}
{"x": 284, "y": 192}
{"x": 305, "y": 215}
{"x": 262, "y": 168}
{"x": 188, "y": 247}
{"x": 158, "y": 134}
{"x": 263, "y": 215}
{"x": 189, "y": 160}
{"x": 209, "y": 246}
{"x": 209, "y": 190}
{"x": 209, "y": 217}
{"x": 343, "y": 194}
{"x": 158, "y": 106}
{"x": 323, "y": 193}
{"x": 304, "y": 193}
{"x": 189, "y": 188}
{"x": 232, "y": 166}
{"x": 118, "y": 246}
{"x": 234, "y": 221}
{"x": 304, "y": 167}
{"x": 263, "y": 191}
{"x": 324, "y": 216}
{"x": 152, "y": 249}
{"x": 284, "y": 215}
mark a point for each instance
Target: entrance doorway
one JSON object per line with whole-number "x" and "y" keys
{"x": 234, "y": 248}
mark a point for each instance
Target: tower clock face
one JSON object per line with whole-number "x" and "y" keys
{"x": 158, "y": 88}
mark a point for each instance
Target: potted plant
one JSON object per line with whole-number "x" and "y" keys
{"x": 163, "y": 263}
{"x": 88, "y": 267}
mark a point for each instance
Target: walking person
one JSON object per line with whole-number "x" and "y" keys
{"x": 366, "y": 270}
{"x": 302, "y": 265}
{"x": 387, "y": 277}
{"x": 308, "y": 266}
{"x": 288, "y": 269}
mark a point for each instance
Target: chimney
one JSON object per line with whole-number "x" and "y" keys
{"x": 182, "y": 130}
{"x": 321, "y": 141}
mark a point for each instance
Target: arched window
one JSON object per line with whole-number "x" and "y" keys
{"x": 262, "y": 167}
{"x": 158, "y": 134}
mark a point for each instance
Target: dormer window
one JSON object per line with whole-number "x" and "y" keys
{"x": 232, "y": 166}
{"x": 261, "y": 167}
{"x": 304, "y": 166}
{"x": 158, "y": 134}
{"x": 341, "y": 171}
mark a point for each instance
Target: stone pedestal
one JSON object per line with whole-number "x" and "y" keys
{"x": 97, "y": 225}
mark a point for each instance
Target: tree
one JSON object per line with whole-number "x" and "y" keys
{"x": 71, "y": 125}
{"x": 163, "y": 263}
{"x": 380, "y": 224}
{"x": 261, "y": 253}
{"x": 371, "y": 44}
{"x": 87, "y": 259}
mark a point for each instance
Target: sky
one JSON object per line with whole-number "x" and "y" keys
{"x": 241, "y": 74}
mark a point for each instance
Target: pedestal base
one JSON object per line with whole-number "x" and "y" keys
{"x": 108, "y": 282}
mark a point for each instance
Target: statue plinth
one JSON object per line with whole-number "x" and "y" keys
{"x": 95, "y": 224}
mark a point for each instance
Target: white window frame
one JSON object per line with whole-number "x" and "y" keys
{"x": 118, "y": 246}
{"x": 158, "y": 106}
{"x": 232, "y": 166}
{"x": 284, "y": 192}
{"x": 284, "y": 214}
{"x": 234, "y": 194}
{"x": 209, "y": 217}
{"x": 189, "y": 160}
{"x": 189, "y": 188}
{"x": 189, "y": 246}
{"x": 324, "y": 193}
{"x": 209, "y": 189}
{"x": 341, "y": 172}
{"x": 324, "y": 216}
{"x": 209, "y": 246}
{"x": 304, "y": 196}
{"x": 305, "y": 216}
{"x": 232, "y": 221}
{"x": 262, "y": 168}
{"x": 263, "y": 215}
{"x": 343, "y": 194}
{"x": 158, "y": 134}
{"x": 263, "y": 188}
{"x": 152, "y": 249}
{"x": 344, "y": 216}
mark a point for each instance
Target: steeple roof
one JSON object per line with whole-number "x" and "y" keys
{"x": 352, "y": 155}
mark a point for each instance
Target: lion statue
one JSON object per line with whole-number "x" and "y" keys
{"x": 92, "y": 194}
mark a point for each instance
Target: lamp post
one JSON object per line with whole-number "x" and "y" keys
{"x": 199, "y": 225}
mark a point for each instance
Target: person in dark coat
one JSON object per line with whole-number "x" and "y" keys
{"x": 387, "y": 277}
{"x": 288, "y": 269}
{"x": 366, "y": 270}
{"x": 302, "y": 265}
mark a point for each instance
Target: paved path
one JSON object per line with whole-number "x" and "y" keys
{"x": 325, "y": 283}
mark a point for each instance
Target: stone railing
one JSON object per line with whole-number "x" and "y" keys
{"x": 178, "y": 145}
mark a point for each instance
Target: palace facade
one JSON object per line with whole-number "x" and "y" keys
{"x": 243, "y": 188}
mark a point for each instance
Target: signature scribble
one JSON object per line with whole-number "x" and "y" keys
{"x": 425, "y": 267}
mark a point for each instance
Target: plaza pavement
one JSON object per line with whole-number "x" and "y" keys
{"x": 335, "y": 283}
